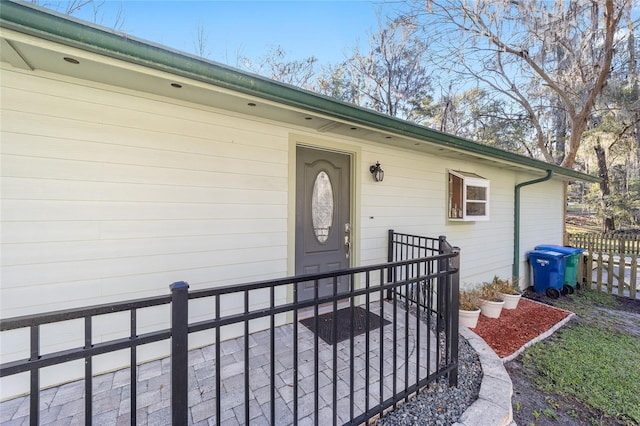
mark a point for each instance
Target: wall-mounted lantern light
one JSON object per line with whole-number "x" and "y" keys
{"x": 377, "y": 172}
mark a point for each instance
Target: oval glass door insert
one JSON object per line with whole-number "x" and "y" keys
{"x": 322, "y": 207}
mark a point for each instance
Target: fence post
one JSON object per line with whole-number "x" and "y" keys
{"x": 179, "y": 352}
{"x": 443, "y": 265}
{"x": 390, "y": 258}
{"x": 34, "y": 397}
{"x": 454, "y": 290}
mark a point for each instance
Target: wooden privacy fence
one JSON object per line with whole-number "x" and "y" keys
{"x": 611, "y": 262}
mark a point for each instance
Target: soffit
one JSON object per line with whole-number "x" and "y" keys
{"x": 32, "y": 53}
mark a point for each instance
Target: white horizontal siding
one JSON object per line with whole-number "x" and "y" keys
{"x": 42, "y": 188}
{"x": 108, "y": 196}
{"x": 541, "y": 217}
{"x": 90, "y": 107}
{"x": 172, "y": 183}
{"x": 409, "y": 200}
{"x": 412, "y": 199}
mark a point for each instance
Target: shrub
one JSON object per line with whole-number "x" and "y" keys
{"x": 506, "y": 286}
{"x": 469, "y": 300}
{"x": 491, "y": 292}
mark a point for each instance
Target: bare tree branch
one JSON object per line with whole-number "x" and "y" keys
{"x": 564, "y": 48}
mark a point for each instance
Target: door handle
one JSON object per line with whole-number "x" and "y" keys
{"x": 347, "y": 239}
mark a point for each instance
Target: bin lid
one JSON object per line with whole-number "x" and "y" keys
{"x": 559, "y": 249}
{"x": 544, "y": 254}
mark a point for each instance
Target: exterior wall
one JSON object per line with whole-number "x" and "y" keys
{"x": 413, "y": 199}
{"x": 541, "y": 218}
{"x": 110, "y": 195}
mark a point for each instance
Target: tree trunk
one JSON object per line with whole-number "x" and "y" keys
{"x": 608, "y": 223}
{"x": 559, "y": 132}
{"x": 633, "y": 80}
{"x": 559, "y": 116}
{"x": 578, "y": 125}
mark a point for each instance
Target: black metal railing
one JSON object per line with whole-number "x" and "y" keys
{"x": 422, "y": 293}
{"x": 38, "y": 360}
{"x": 432, "y": 295}
{"x": 407, "y": 247}
{"x": 286, "y": 369}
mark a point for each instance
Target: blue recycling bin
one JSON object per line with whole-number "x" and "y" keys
{"x": 571, "y": 267}
{"x": 548, "y": 271}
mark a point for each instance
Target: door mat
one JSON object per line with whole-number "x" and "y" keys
{"x": 343, "y": 320}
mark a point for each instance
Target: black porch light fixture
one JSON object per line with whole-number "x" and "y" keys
{"x": 377, "y": 172}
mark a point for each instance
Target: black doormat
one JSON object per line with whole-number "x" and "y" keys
{"x": 343, "y": 319}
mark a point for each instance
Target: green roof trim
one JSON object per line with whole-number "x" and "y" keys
{"x": 35, "y": 21}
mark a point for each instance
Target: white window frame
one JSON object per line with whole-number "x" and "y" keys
{"x": 460, "y": 213}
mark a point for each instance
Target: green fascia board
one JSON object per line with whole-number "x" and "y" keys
{"x": 52, "y": 26}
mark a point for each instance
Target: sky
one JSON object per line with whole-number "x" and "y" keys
{"x": 328, "y": 30}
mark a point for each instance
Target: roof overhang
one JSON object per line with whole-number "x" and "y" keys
{"x": 33, "y": 38}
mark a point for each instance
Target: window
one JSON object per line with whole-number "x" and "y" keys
{"x": 468, "y": 196}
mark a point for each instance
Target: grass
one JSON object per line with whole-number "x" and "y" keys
{"x": 590, "y": 360}
{"x": 582, "y": 229}
{"x": 582, "y": 224}
{"x": 582, "y": 303}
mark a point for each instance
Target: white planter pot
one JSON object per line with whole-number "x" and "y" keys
{"x": 491, "y": 309}
{"x": 510, "y": 300}
{"x": 468, "y": 318}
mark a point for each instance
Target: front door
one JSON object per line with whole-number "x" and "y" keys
{"x": 323, "y": 229}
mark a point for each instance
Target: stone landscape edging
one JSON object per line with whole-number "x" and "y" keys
{"x": 493, "y": 406}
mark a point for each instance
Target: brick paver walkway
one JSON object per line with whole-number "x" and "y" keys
{"x": 64, "y": 405}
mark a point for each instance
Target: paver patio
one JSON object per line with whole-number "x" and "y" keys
{"x": 64, "y": 405}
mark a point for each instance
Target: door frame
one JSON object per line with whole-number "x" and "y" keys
{"x": 353, "y": 151}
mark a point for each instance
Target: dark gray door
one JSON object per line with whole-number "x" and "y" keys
{"x": 323, "y": 231}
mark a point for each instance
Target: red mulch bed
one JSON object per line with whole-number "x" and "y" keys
{"x": 515, "y": 327}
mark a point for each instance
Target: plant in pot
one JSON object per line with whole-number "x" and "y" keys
{"x": 491, "y": 298}
{"x": 509, "y": 292}
{"x": 469, "y": 307}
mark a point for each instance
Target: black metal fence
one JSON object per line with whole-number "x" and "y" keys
{"x": 295, "y": 353}
{"x": 432, "y": 295}
{"x": 406, "y": 247}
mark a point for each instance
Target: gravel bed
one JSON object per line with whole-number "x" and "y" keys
{"x": 439, "y": 404}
